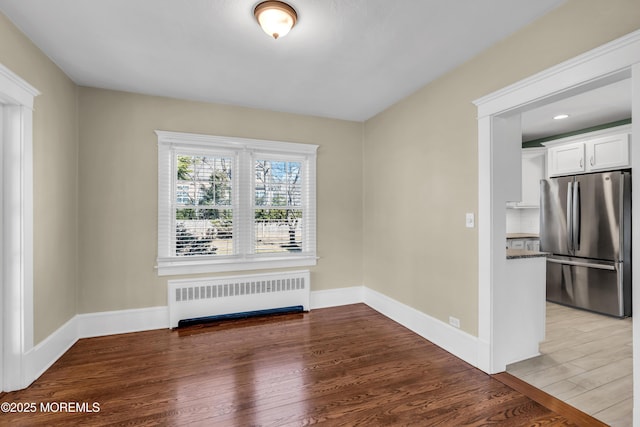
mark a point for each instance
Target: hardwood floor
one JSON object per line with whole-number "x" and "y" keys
{"x": 337, "y": 366}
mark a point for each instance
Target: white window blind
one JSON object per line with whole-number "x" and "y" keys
{"x": 229, "y": 204}
{"x": 203, "y": 208}
{"x": 278, "y": 210}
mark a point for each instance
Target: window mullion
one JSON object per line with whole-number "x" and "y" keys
{"x": 244, "y": 202}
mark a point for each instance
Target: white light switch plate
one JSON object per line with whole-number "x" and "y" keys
{"x": 470, "y": 221}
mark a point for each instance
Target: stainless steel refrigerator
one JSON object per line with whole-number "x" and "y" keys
{"x": 585, "y": 226}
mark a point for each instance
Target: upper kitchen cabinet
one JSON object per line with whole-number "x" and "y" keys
{"x": 533, "y": 168}
{"x": 598, "y": 151}
{"x": 610, "y": 152}
{"x": 566, "y": 159}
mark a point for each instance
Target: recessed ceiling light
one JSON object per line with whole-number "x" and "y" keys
{"x": 560, "y": 117}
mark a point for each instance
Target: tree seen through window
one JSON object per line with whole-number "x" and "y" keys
{"x": 204, "y": 214}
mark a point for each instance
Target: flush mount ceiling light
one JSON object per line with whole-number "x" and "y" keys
{"x": 275, "y": 17}
{"x": 560, "y": 117}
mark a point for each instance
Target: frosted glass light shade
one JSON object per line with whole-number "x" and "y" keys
{"x": 275, "y": 17}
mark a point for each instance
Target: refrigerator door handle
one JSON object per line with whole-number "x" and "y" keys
{"x": 569, "y": 217}
{"x": 582, "y": 264}
{"x": 576, "y": 216}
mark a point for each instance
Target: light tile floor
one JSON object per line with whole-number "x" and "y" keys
{"x": 586, "y": 361}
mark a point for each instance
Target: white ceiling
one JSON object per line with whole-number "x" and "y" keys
{"x": 347, "y": 59}
{"x": 599, "y": 106}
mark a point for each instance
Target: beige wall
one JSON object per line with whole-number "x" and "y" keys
{"x": 118, "y": 190}
{"x": 416, "y": 247}
{"x": 55, "y": 150}
{"x": 418, "y": 166}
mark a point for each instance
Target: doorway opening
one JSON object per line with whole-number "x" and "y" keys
{"x": 498, "y": 123}
{"x": 585, "y": 358}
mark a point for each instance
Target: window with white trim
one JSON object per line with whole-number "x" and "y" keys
{"x": 228, "y": 204}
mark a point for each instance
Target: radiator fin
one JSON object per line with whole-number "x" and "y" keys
{"x": 190, "y": 293}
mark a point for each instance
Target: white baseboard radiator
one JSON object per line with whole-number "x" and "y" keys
{"x": 215, "y": 298}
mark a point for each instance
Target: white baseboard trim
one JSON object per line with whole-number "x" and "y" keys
{"x": 337, "y": 297}
{"x": 453, "y": 340}
{"x": 88, "y": 325}
{"x": 122, "y": 321}
{"x": 40, "y": 357}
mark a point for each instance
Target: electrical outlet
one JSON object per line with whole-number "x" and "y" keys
{"x": 454, "y": 321}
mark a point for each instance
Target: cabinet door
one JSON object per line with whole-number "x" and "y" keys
{"x": 566, "y": 159}
{"x": 610, "y": 152}
{"x": 517, "y": 244}
{"x": 532, "y": 245}
{"x": 532, "y": 172}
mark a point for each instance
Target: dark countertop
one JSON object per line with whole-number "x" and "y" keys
{"x": 523, "y": 253}
{"x": 522, "y": 236}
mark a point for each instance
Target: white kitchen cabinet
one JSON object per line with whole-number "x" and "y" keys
{"x": 525, "y": 243}
{"x": 532, "y": 245}
{"x": 524, "y": 304}
{"x": 607, "y": 152}
{"x": 533, "y": 170}
{"x": 515, "y": 244}
{"x": 611, "y": 152}
{"x": 566, "y": 159}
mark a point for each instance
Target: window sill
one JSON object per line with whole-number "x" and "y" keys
{"x": 179, "y": 266}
